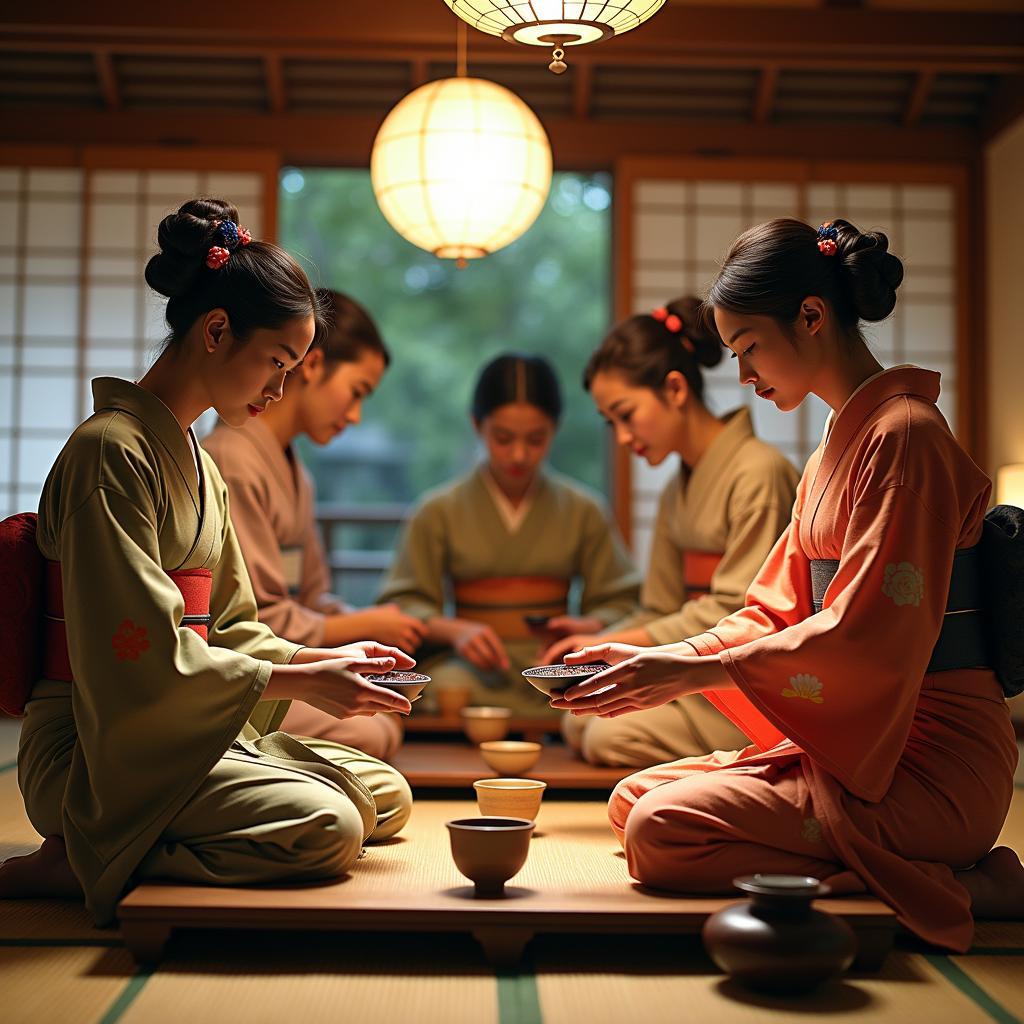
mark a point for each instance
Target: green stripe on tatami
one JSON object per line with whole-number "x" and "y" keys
{"x": 8, "y": 766}
{"x": 518, "y": 998}
{"x": 128, "y": 996}
{"x": 970, "y": 988}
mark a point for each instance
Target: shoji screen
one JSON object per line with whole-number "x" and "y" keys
{"x": 73, "y": 303}
{"x": 675, "y": 224}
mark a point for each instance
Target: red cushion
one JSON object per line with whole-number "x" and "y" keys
{"x": 22, "y": 569}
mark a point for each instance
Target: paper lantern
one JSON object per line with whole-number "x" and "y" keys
{"x": 461, "y": 167}
{"x": 555, "y": 23}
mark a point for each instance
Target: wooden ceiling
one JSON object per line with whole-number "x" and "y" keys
{"x": 313, "y": 79}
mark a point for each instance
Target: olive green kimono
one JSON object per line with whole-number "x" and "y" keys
{"x": 458, "y": 535}
{"x": 160, "y": 760}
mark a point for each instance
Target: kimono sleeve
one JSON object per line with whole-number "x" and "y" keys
{"x": 844, "y": 683}
{"x": 610, "y": 581}
{"x": 284, "y": 614}
{"x": 155, "y": 706}
{"x": 416, "y": 582}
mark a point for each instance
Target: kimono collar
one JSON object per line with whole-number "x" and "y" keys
{"x": 512, "y": 516}
{"x": 842, "y": 427}
{"x": 737, "y": 429}
{"x": 123, "y": 395}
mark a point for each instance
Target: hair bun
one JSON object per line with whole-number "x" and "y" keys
{"x": 184, "y": 239}
{"x": 701, "y": 334}
{"x": 872, "y": 273}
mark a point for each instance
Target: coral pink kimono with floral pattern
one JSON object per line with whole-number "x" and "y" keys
{"x": 864, "y": 769}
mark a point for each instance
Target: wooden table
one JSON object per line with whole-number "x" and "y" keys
{"x": 575, "y": 881}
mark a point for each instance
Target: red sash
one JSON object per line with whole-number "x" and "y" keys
{"x": 33, "y": 643}
{"x": 698, "y": 569}
{"x": 502, "y": 601}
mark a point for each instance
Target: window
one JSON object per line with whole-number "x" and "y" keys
{"x": 549, "y": 292}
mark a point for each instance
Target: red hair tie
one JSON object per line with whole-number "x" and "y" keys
{"x": 673, "y": 324}
{"x": 217, "y": 257}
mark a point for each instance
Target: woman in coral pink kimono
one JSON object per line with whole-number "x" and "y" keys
{"x": 882, "y": 755}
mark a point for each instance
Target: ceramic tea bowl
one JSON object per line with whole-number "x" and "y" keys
{"x": 554, "y": 679}
{"x": 510, "y": 757}
{"x": 510, "y": 798}
{"x": 775, "y": 941}
{"x": 490, "y": 850}
{"x": 483, "y": 724}
{"x": 409, "y": 684}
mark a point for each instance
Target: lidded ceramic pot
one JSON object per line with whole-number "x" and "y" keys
{"x": 775, "y": 941}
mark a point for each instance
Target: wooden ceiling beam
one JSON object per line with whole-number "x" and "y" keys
{"x": 276, "y": 94}
{"x": 918, "y": 97}
{"x": 333, "y": 140}
{"x": 108, "y": 79}
{"x": 765, "y": 97}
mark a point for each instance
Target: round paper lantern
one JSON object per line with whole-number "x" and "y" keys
{"x": 555, "y": 23}
{"x": 461, "y": 167}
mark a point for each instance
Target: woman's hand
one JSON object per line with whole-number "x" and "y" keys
{"x": 640, "y": 678}
{"x": 388, "y": 624}
{"x": 481, "y": 646}
{"x": 339, "y": 687}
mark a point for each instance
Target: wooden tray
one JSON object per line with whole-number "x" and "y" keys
{"x": 455, "y": 765}
{"x": 575, "y": 881}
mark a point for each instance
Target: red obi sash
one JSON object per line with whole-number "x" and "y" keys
{"x": 33, "y": 644}
{"x": 502, "y": 601}
{"x": 698, "y": 570}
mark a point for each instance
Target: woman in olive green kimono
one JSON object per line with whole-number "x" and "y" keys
{"x": 507, "y": 541}
{"x": 160, "y": 759}
{"x": 717, "y": 520}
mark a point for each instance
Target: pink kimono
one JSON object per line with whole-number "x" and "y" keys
{"x": 865, "y": 769}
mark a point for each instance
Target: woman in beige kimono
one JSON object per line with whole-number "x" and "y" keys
{"x": 505, "y": 542}
{"x": 148, "y": 748}
{"x": 272, "y": 511}
{"x": 716, "y": 523}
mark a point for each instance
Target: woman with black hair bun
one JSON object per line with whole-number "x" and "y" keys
{"x": 717, "y": 520}
{"x": 149, "y": 747}
{"x": 481, "y": 557}
{"x": 882, "y": 753}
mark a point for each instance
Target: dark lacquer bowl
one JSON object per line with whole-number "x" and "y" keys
{"x": 555, "y": 679}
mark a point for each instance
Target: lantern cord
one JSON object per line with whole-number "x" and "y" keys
{"x": 461, "y": 49}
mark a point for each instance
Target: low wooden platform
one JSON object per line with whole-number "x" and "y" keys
{"x": 457, "y": 765}
{"x": 574, "y": 882}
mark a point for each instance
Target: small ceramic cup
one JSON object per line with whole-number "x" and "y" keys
{"x": 483, "y": 724}
{"x": 510, "y": 757}
{"x": 510, "y": 798}
{"x": 490, "y": 850}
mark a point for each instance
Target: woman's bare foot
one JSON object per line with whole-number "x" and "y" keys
{"x": 45, "y": 874}
{"x": 996, "y": 885}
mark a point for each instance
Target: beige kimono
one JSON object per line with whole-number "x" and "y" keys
{"x": 734, "y": 504}
{"x": 462, "y": 551}
{"x": 159, "y": 760}
{"x": 272, "y": 510}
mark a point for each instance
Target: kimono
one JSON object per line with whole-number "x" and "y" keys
{"x": 715, "y": 526}
{"x": 866, "y": 769}
{"x": 160, "y": 760}
{"x": 465, "y": 553}
{"x": 272, "y": 510}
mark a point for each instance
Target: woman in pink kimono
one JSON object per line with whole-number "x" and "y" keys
{"x": 882, "y": 753}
